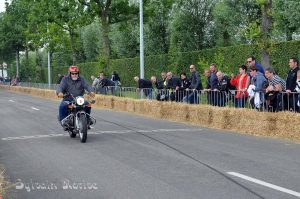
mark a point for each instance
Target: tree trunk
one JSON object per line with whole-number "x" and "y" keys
{"x": 105, "y": 38}
{"x": 17, "y": 63}
{"x": 26, "y": 66}
{"x": 265, "y": 29}
{"x": 72, "y": 40}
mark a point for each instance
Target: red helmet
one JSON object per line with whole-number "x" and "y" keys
{"x": 73, "y": 69}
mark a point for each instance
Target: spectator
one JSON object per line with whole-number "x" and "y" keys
{"x": 258, "y": 81}
{"x": 273, "y": 91}
{"x": 145, "y": 85}
{"x": 213, "y": 81}
{"x": 14, "y": 81}
{"x": 221, "y": 90}
{"x": 115, "y": 78}
{"x": 163, "y": 93}
{"x": 213, "y": 76}
{"x": 95, "y": 84}
{"x": 158, "y": 85}
{"x": 184, "y": 85}
{"x": 60, "y": 77}
{"x": 207, "y": 89}
{"x": 195, "y": 87}
{"x": 291, "y": 98}
{"x": 106, "y": 84}
{"x": 173, "y": 85}
{"x": 251, "y": 61}
{"x": 297, "y": 89}
{"x": 241, "y": 83}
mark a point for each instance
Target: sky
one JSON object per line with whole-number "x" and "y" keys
{"x": 2, "y": 5}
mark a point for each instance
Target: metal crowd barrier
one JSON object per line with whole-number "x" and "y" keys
{"x": 261, "y": 101}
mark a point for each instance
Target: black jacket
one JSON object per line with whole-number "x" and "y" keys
{"x": 106, "y": 82}
{"x": 173, "y": 83}
{"x": 185, "y": 83}
{"x": 144, "y": 83}
{"x": 74, "y": 87}
{"x": 223, "y": 84}
{"x": 291, "y": 79}
{"x": 196, "y": 81}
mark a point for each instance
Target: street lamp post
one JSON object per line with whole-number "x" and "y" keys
{"x": 141, "y": 41}
{"x": 49, "y": 71}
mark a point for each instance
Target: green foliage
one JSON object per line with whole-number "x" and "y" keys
{"x": 91, "y": 41}
{"x": 192, "y": 19}
{"x": 228, "y": 60}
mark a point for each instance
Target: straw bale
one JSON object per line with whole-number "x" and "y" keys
{"x": 200, "y": 115}
{"x": 130, "y": 105}
{"x": 178, "y": 112}
{"x": 139, "y": 106}
{"x": 219, "y": 117}
{"x": 121, "y": 104}
{"x": 155, "y": 109}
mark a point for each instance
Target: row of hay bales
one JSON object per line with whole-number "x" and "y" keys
{"x": 280, "y": 125}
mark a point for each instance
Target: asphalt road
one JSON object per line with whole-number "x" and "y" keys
{"x": 133, "y": 157}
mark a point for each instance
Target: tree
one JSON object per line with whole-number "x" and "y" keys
{"x": 91, "y": 42}
{"x": 286, "y": 17}
{"x": 266, "y": 26}
{"x": 192, "y": 25}
{"x": 110, "y": 12}
{"x": 14, "y": 27}
{"x": 157, "y": 26}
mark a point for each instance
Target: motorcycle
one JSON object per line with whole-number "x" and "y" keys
{"x": 78, "y": 121}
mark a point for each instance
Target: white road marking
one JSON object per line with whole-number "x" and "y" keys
{"x": 266, "y": 184}
{"x": 11, "y": 100}
{"x": 98, "y": 132}
{"x": 35, "y": 108}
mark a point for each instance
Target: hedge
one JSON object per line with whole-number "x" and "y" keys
{"x": 228, "y": 60}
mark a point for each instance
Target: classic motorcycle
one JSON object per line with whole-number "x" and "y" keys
{"x": 78, "y": 121}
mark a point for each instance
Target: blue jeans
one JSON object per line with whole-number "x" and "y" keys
{"x": 192, "y": 98}
{"x": 63, "y": 110}
{"x": 240, "y": 102}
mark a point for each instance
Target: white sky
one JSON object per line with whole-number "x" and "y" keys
{"x": 2, "y": 5}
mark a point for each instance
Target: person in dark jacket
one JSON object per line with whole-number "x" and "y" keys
{"x": 173, "y": 84}
{"x": 144, "y": 85}
{"x": 184, "y": 85}
{"x": 194, "y": 88}
{"x": 221, "y": 91}
{"x": 106, "y": 84}
{"x": 251, "y": 61}
{"x": 75, "y": 85}
{"x": 290, "y": 100}
{"x": 60, "y": 77}
{"x": 163, "y": 93}
{"x": 115, "y": 78}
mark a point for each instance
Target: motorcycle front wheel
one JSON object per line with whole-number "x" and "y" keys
{"x": 82, "y": 126}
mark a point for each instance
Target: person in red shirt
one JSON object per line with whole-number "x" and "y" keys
{"x": 241, "y": 83}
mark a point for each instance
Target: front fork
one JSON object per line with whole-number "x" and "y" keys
{"x": 88, "y": 118}
{"x": 77, "y": 116}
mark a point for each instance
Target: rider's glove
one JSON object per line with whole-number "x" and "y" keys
{"x": 60, "y": 95}
{"x": 92, "y": 94}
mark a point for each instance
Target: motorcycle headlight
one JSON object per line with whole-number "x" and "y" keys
{"x": 80, "y": 101}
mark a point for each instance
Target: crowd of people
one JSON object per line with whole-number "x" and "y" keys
{"x": 104, "y": 85}
{"x": 255, "y": 85}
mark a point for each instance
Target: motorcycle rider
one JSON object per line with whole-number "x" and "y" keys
{"x": 75, "y": 85}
